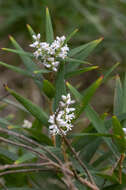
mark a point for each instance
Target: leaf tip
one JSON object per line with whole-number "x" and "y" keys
{"x": 47, "y": 10}
{"x": 11, "y": 38}
{"x": 100, "y": 39}
{"x": 101, "y": 77}
{"x": 113, "y": 117}
{"x": 6, "y": 87}
{"x": 10, "y": 127}
{"x": 67, "y": 83}
{"x": 27, "y": 25}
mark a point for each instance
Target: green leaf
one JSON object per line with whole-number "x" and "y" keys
{"x": 70, "y": 35}
{"x": 49, "y": 28}
{"x": 20, "y": 52}
{"x": 117, "y": 130}
{"x": 76, "y": 94}
{"x": 85, "y": 49}
{"x": 48, "y": 89}
{"x": 106, "y": 74}
{"x": 92, "y": 134}
{"x": 80, "y": 71}
{"x": 18, "y": 106}
{"x": 25, "y": 157}
{"x": 124, "y": 94}
{"x": 29, "y": 64}
{"x": 39, "y": 136}
{"x": 31, "y": 31}
{"x": 118, "y": 97}
{"x": 88, "y": 95}
{"x": 72, "y": 60}
{"x": 102, "y": 158}
{"x": 17, "y": 69}
{"x": 6, "y": 154}
{"x": 37, "y": 125}
{"x": 89, "y": 151}
{"x": 28, "y": 156}
{"x": 100, "y": 127}
{"x": 60, "y": 87}
{"x": 41, "y": 71}
{"x": 82, "y": 52}
{"x": 96, "y": 121}
{"x": 36, "y": 111}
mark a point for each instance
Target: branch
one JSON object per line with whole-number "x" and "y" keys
{"x": 24, "y": 165}
{"x": 23, "y": 171}
{"x": 40, "y": 155}
{"x": 77, "y": 158}
{"x": 30, "y": 141}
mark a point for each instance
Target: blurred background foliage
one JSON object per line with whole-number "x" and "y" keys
{"x": 94, "y": 19}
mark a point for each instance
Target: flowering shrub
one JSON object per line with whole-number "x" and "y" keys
{"x": 47, "y": 151}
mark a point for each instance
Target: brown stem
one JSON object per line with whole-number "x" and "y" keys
{"x": 64, "y": 151}
{"x": 3, "y": 185}
{"x": 122, "y": 157}
{"x": 22, "y": 171}
{"x": 24, "y": 138}
{"x": 78, "y": 159}
{"x": 53, "y": 137}
{"x": 40, "y": 155}
{"x": 24, "y": 165}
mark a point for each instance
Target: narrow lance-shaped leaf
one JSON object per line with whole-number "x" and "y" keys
{"x": 49, "y": 28}
{"x": 48, "y": 89}
{"x": 118, "y": 97}
{"x": 17, "y": 69}
{"x": 80, "y": 71}
{"x": 109, "y": 71}
{"x": 60, "y": 87}
{"x": 96, "y": 121}
{"x": 85, "y": 49}
{"x": 88, "y": 95}
{"x": 72, "y": 60}
{"x": 82, "y": 51}
{"x": 36, "y": 111}
{"x": 117, "y": 130}
{"x": 70, "y": 36}
{"x": 29, "y": 64}
{"x": 20, "y": 52}
{"x": 31, "y": 31}
{"x": 124, "y": 94}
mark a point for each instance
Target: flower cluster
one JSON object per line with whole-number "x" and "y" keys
{"x": 61, "y": 120}
{"x": 27, "y": 124}
{"x": 47, "y": 53}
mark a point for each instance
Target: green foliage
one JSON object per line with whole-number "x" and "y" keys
{"x": 91, "y": 158}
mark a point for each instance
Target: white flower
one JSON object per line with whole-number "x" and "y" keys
{"x": 47, "y": 53}
{"x": 124, "y": 129}
{"x": 61, "y": 120}
{"x": 27, "y": 124}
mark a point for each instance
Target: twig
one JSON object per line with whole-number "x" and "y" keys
{"x": 23, "y": 171}
{"x": 30, "y": 141}
{"x": 64, "y": 151}
{"x": 74, "y": 153}
{"x": 24, "y": 165}
{"x": 53, "y": 137}
{"x": 40, "y": 155}
{"x": 3, "y": 185}
{"x": 122, "y": 157}
{"x": 77, "y": 158}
